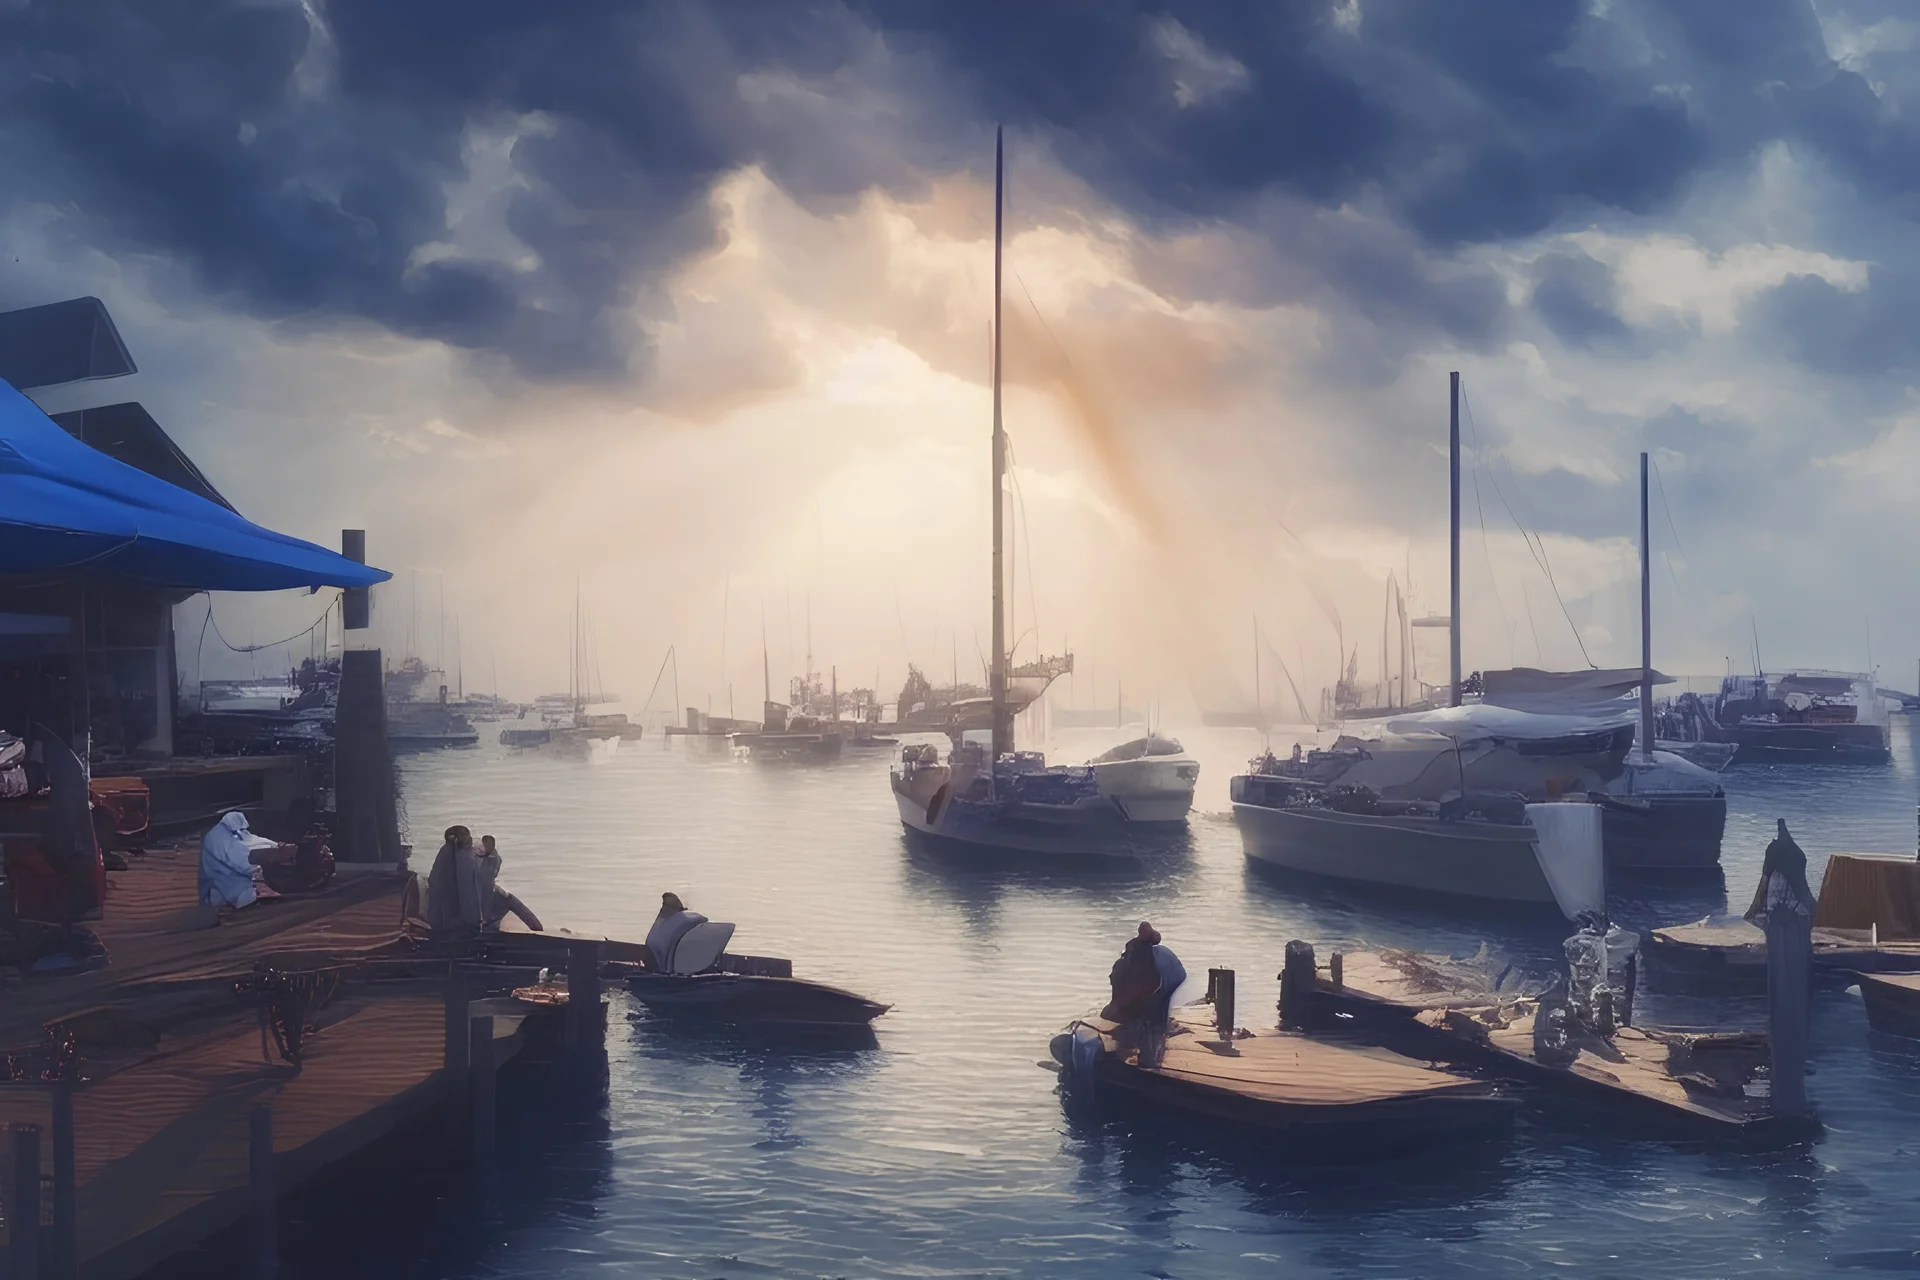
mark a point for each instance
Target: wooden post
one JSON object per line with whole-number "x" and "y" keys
{"x": 1221, "y": 983}
{"x": 484, "y": 1102}
{"x": 23, "y": 1222}
{"x": 583, "y": 995}
{"x": 1336, "y": 969}
{"x": 66, "y": 1204}
{"x": 1296, "y": 985}
{"x": 262, "y": 1224}
{"x": 1789, "y": 991}
{"x": 457, "y": 1058}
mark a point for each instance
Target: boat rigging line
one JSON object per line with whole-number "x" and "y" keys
{"x": 1534, "y": 542}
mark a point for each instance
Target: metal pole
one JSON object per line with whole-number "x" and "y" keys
{"x": 1453, "y": 536}
{"x": 24, "y": 1222}
{"x": 262, "y": 1228}
{"x": 66, "y": 1208}
{"x": 1646, "y": 623}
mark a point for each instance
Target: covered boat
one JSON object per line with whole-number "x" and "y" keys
{"x": 1491, "y": 846}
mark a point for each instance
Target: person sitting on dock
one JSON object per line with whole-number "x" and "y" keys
{"x": 669, "y": 927}
{"x": 230, "y": 858}
{"x": 1144, "y": 980}
{"x": 499, "y": 903}
{"x": 454, "y": 902}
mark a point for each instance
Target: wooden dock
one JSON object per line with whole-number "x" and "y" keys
{"x": 174, "y": 1061}
{"x": 1310, "y": 1097}
{"x": 1423, "y": 1003}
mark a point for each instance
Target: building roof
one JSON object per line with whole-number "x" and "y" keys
{"x": 71, "y": 341}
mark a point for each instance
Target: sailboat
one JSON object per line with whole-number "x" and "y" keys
{"x": 568, "y": 722}
{"x": 987, "y": 796}
{"x": 1403, "y": 811}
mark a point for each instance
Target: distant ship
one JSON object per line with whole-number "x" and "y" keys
{"x": 1802, "y": 717}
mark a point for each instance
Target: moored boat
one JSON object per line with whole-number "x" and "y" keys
{"x": 1489, "y": 846}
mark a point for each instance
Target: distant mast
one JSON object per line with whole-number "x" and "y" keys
{"x": 997, "y": 676}
{"x": 1453, "y": 535}
{"x": 1646, "y": 623}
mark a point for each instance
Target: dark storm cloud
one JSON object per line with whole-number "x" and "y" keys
{"x": 298, "y": 163}
{"x": 1865, "y": 332}
{"x": 1574, "y": 294}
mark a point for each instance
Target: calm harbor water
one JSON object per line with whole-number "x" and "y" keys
{"x": 945, "y": 1149}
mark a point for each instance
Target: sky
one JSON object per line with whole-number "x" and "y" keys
{"x": 685, "y": 311}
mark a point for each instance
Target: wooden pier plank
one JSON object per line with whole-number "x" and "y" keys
{"x": 161, "y": 1147}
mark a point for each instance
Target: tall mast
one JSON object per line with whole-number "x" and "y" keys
{"x": 1646, "y": 624}
{"x": 1453, "y": 535}
{"x": 997, "y": 676}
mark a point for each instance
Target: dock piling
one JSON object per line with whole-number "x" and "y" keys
{"x": 263, "y": 1213}
{"x": 1296, "y": 985}
{"x": 1220, "y": 985}
{"x": 1789, "y": 991}
{"x": 485, "y": 1106}
{"x": 457, "y": 1061}
{"x": 23, "y": 1220}
{"x": 65, "y": 1251}
{"x": 583, "y": 996}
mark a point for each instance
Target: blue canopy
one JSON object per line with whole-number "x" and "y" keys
{"x": 66, "y": 508}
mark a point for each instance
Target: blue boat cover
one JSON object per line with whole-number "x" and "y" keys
{"x": 66, "y": 508}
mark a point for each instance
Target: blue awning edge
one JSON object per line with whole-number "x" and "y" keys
{"x": 68, "y": 509}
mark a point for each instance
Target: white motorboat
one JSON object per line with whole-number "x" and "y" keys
{"x": 1149, "y": 779}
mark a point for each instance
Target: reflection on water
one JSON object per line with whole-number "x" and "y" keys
{"x": 944, "y": 1149}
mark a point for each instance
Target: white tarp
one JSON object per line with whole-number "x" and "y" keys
{"x": 1478, "y": 720}
{"x": 1570, "y": 855}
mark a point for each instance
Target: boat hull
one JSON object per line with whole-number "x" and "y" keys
{"x": 1486, "y": 861}
{"x": 1154, "y": 789}
{"x": 1808, "y": 743}
{"x": 744, "y": 1000}
{"x": 1076, "y": 831}
{"x": 1672, "y": 833}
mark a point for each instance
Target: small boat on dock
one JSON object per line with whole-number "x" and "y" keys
{"x": 1312, "y": 1098}
{"x": 1697, "y": 1080}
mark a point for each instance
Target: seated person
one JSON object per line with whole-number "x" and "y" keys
{"x": 230, "y": 858}
{"x": 454, "y": 904}
{"x": 499, "y": 903}
{"x": 669, "y": 927}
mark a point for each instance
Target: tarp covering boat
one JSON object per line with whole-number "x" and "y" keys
{"x": 67, "y": 508}
{"x": 1564, "y": 692}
